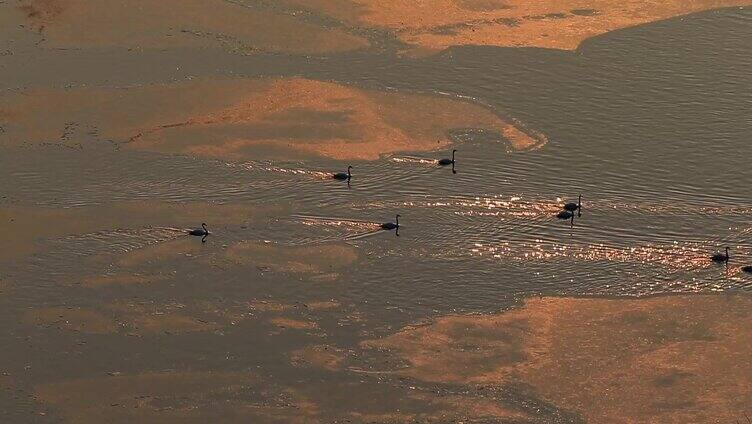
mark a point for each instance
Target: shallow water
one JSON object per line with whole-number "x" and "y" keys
{"x": 651, "y": 124}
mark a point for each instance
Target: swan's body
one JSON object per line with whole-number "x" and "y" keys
{"x": 343, "y": 175}
{"x": 721, "y": 257}
{"x": 572, "y": 206}
{"x": 747, "y": 269}
{"x": 447, "y": 161}
{"x": 391, "y": 225}
{"x": 200, "y": 232}
{"x": 565, "y": 215}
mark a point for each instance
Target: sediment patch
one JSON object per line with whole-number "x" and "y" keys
{"x": 265, "y": 119}
{"x": 436, "y": 25}
{"x": 119, "y": 318}
{"x": 307, "y": 260}
{"x": 145, "y": 24}
{"x": 319, "y": 356}
{"x": 154, "y": 397}
{"x": 669, "y": 359}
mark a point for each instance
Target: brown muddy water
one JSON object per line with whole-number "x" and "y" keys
{"x": 485, "y": 308}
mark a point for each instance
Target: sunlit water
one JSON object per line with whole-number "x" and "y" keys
{"x": 652, "y": 125}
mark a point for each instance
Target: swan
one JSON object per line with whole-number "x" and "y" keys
{"x": 720, "y": 257}
{"x": 447, "y": 161}
{"x": 200, "y": 232}
{"x": 565, "y": 215}
{"x": 343, "y": 175}
{"x": 571, "y": 206}
{"x": 391, "y": 225}
{"x": 747, "y": 269}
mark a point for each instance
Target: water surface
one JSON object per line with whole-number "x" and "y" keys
{"x": 651, "y": 124}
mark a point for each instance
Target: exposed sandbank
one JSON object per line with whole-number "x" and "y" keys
{"x": 425, "y": 26}
{"x": 673, "y": 359}
{"x": 438, "y": 24}
{"x": 236, "y": 119}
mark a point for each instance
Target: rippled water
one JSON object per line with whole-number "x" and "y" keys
{"x": 651, "y": 125}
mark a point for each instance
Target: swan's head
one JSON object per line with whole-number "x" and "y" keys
{"x": 349, "y": 167}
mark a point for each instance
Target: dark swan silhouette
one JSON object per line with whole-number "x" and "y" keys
{"x": 200, "y": 232}
{"x": 571, "y": 206}
{"x": 720, "y": 257}
{"x": 447, "y": 161}
{"x": 391, "y": 225}
{"x": 343, "y": 175}
{"x": 747, "y": 269}
{"x": 565, "y": 214}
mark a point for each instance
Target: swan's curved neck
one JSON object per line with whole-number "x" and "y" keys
{"x": 204, "y": 227}
{"x": 397, "y": 219}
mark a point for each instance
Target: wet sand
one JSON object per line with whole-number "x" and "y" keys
{"x": 95, "y": 281}
{"x": 153, "y": 397}
{"x": 142, "y": 25}
{"x": 252, "y": 27}
{"x": 669, "y": 359}
{"x": 128, "y": 319}
{"x": 72, "y": 319}
{"x": 435, "y": 25}
{"x": 321, "y": 356}
{"x": 236, "y": 119}
{"x": 309, "y": 260}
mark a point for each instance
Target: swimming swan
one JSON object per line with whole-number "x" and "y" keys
{"x": 200, "y": 232}
{"x": 565, "y": 215}
{"x": 343, "y": 175}
{"x": 447, "y": 161}
{"x": 720, "y": 257}
{"x": 391, "y": 225}
{"x": 571, "y": 206}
